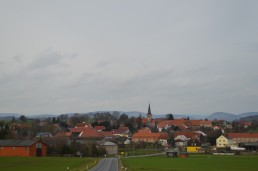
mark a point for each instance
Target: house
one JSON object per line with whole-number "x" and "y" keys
{"x": 181, "y": 141}
{"x": 146, "y": 135}
{"x": 246, "y": 124}
{"x": 194, "y": 138}
{"x": 234, "y": 139}
{"x": 22, "y": 148}
{"x": 89, "y": 133}
{"x": 184, "y": 124}
{"x": 242, "y": 137}
{"x": 121, "y": 132}
{"x": 223, "y": 141}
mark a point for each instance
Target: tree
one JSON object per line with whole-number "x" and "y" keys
{"x": 13, "y": 120}
{"x": 123, "y": 119}
{"x": 132, "y": 125}
{"x": 23, "y": 118}
{"x": 170, "y": 116}
{"x": 139, "y": 121}
{"x": 102, "y": 151}
{"x": 5, "y": 132}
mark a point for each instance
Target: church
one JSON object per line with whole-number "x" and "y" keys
{"x": 149, "y": 116}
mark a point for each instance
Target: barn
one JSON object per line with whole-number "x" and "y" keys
{"x": 23, "y": 148}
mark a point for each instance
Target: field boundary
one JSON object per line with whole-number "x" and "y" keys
{"x": 146, "y": 155}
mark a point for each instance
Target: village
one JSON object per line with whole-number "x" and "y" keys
{"x": 112, "y": 134}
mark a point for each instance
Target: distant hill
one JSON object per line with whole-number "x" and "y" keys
{"x": 229, "y": 116}
{"x": 248, "y": 114}
{"x": 217, "y": 115}
{"x": 10, "y": 114}
{"x": 223, "y": 116}
{"x": 249, "y": 118}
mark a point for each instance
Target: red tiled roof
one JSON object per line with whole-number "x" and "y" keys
{"x": 146, "y": 133}
{"x": 246, "y": 123}
{"x": 99, "y": 128}
{"x": 90, "y": 132}
{"x": 78, "y": 129}
{"x": 242, "y": 135}
{"x": 120, "y": 130}
{"x": 177, "y": 122}
{"x": 198, "y": 122}
{"x": 188, "y": 134}
{"x": 107, "y": 133}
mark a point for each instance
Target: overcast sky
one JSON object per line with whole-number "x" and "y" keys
{"x": 185, "y": 57}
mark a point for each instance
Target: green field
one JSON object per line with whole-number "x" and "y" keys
{"x": 193, "y": 163}
{"x": 44, "y": 163}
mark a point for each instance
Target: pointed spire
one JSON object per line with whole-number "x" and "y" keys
{"x": 149, "y": 110}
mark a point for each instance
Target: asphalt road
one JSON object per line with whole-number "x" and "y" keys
{"x": 107, "y": 164}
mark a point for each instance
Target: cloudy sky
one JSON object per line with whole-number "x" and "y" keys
{"x": 194, "y": 57}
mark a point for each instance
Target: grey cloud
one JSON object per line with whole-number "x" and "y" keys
{"x": 196, "y": 61}
{"x": 49, "y": 58}
{"x": 103, "y": 64}
{"x": 17, "y": 58}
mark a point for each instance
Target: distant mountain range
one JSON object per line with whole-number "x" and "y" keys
{"x": 217, "y": 115}
{"x": 229, "y": 116}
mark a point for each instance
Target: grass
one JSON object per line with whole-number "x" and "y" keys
{"x": 45, "y": 163}
{"x": 193, "y": 163}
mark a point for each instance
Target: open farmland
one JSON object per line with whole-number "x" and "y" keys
{"x": 193, "y": 163}
{"x": 44, "y": 163}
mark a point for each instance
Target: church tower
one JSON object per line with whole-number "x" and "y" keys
{"x": 149, "y": 116}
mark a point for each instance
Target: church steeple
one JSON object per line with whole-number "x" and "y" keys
{"x": 149, "y": 110}
{"x": 149, "y": 116}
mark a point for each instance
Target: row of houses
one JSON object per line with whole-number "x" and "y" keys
{"x": 238, "y": 140}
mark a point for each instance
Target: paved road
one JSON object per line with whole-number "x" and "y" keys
{"x": 107, "y": 164}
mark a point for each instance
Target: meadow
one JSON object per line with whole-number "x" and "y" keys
{"x": 193, "y": 163}
{"x": 45, "y": 163}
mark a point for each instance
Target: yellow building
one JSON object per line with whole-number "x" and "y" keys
{"x": 223, "y": 141}
{"x": 192, "y": 149}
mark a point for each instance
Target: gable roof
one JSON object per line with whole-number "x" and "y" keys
{"x": 120, "y": 130}
{"x": 99, "y": 128}
{"x": 188, "y": 134}
{"x": 178, "y": 122}
{"x": 17, "y": 143}
{"x": 242, "y": 135}
{"x": 146, "y": 133}
{"x": 90, "y": 132}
